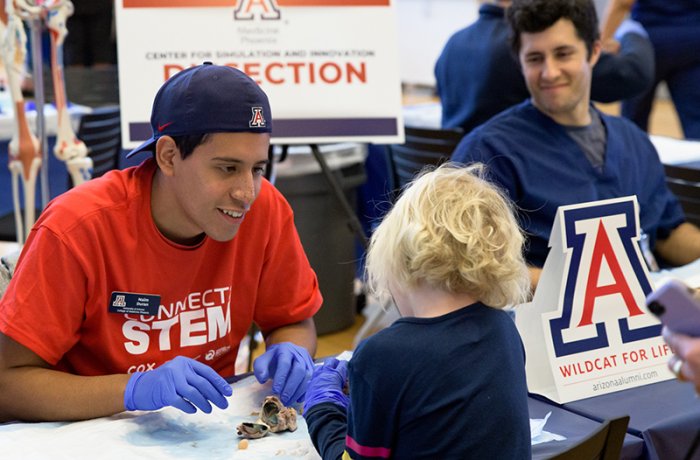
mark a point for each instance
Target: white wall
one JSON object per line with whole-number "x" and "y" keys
{"x": 424, "y": 27}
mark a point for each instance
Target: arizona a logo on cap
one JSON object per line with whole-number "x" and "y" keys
{"x": 257, "y": 120}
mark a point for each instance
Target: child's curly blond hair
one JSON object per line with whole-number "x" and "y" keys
{"x": 452, "y": 230}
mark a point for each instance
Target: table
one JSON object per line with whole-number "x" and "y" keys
{"x": 676, "y": 151}
{"x": 671, "y": 151}
{"x": 169, "y": 433}
{"x": 427, "y": 115}
{"x": 165, "y": 434}
{"x": 665, "y": 414}
{"x": 575, "y": 428}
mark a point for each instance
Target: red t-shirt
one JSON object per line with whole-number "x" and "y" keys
{"x": 96, "y": 245}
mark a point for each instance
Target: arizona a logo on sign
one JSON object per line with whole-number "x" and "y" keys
{"x": 587, "y": 331}
{"x": 246, "y": 9}
{"x": 291, "y": 48}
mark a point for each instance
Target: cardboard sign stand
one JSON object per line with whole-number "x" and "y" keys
{"x": 587, "y": 331}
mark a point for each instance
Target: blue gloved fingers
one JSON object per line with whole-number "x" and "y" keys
{"x": 293, "y": 372}
{"x": 295, "y": 386}
{"x": 301, "y": 389}
{"x": 210, "y": 384}
{"x": 308, "y": 366}
{"x": 182, "y": 383}
{"x": 333, "y": 369}
{"x": 326, "y": 385}
{"x": 191, "y": 388}
{"x": 290, "y": 367}
{"x": 182, "y": 404}
{"x": 154, "y": 390}
{"x": 320, "y": 396}
{"x": 199, "y": 384}
{"x": 340, "y": 367}
{"x": 174, "y": 388}
{"x": 282, "y": 372}
{"x": 320, "y": 369}
{"x": 262, "y": 365}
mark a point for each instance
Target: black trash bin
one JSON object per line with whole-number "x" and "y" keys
{"x": 323, "y": 225}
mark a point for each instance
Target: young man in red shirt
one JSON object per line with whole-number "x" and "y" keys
{"x": 134, "y": 290}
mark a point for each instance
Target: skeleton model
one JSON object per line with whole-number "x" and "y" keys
{"x": 68, "y": 147}
{"x": 24, "y": 151}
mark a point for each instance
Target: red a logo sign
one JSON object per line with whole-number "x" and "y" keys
{"x": 247, "y": 9}
{"x": 605, "y": 269}
{"x": 604, "y": 250}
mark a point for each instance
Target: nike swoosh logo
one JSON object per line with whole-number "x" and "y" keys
{"x": 162, "y": 127}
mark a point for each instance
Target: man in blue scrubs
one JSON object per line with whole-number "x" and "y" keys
{"x": 557, "y": 149}
{"x": 478, "y": 76}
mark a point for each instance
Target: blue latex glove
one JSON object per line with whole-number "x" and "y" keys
{"x": 630, "y": 26}
{"x": 289, "y": 366}
{"x": 327, "y": 384}
{"x": 182, "y": 382}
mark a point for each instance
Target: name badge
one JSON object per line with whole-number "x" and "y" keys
{"x": 133, "y": 303}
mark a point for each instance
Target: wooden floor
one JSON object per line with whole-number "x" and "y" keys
{"x": 664, "y": 122}
{"x": 332, "y": 344}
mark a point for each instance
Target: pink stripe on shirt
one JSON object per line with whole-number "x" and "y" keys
{"x": 365, "y": 451}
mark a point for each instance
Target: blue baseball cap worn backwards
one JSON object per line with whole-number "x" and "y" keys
{"x": 204, "y": 99}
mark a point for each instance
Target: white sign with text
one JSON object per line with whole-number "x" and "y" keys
{"x": 587, "y": 331}
{"x": 329, "y": 67}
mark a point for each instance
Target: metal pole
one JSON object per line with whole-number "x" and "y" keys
{"x": 39, "y": 100}
{"x": 332, "y": 181}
